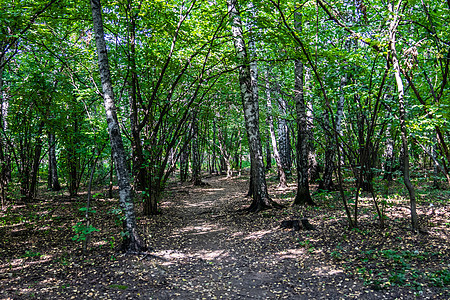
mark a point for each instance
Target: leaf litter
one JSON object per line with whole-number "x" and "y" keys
{"x": 207, "y": 247}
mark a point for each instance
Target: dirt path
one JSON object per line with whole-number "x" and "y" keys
{"x": 213, "y": 251}
{"x": 205, "y": 247}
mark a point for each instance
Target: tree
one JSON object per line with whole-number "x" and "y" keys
{"x": 303, "y": 196}
{"x": 276, "y": 155}
{"x": 395, "y": 12}
{"x": 261, "y": 199}
{"x": 132, "y": 240}
{"x": 53, "y": 181}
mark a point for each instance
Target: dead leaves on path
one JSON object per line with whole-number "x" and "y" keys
{"x": 207, "y": 247}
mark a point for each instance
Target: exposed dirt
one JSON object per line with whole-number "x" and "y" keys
{"x": 206, "y": 247}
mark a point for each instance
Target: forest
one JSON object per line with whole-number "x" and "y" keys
{"x": 235, "y": 149}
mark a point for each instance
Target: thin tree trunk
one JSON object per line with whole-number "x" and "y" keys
{"x": 268, "y": 156}
{"x": 312, "y": 157}
{"x": 138, "y": 169}
{"x": 36, "y": 162}
{"x": 276, "y": 154}
{"x": 388, "y": 155}
{"x": 284, "y": 140}
{"x": 327, "y": 179}
{"x": 214, "y": 167}
{"x": 250, "y": 104}
{"x": 303, "y": 196}
{"x": 196, "y": 160}
{"x": 55, "y": 186}
{"x": 402, "y": 111}
{"x": 132, "y": 241}
{"x": 111, "y": 173}
{"x": 3, "y": 145}
{"x": 184, "y": 164}
{"x": 435, "y": 165}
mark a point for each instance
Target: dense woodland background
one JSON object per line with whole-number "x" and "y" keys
{"x": 342, "y": 95}
{"x": 141, "y": 125}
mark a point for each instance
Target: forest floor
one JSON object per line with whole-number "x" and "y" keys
{"x": 206, "y": 247}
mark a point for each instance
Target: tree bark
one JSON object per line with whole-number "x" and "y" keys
{"x": 53, "y": 169}
{"x": 250, "y": 104}
{"x": 138, "y": 170}
{"x": 327, "y": 179}
{"x": 394, "y": 21}
{"x": 184, "y": 164}
{"x": 226, "y": 155}
{"x": 196, "y": 161}
{"x": 72, "y": 160}
{"x": 314, "y": 170}
{"x": 4, "y": 157}
{"x": 284, "y": 140}
{"x": 276, "y": 154}
{"x": 36, "y": 162}
{"x": 132, "y": 241}
{"x": 303, "y": 196}
{"x": 268, "y": 156}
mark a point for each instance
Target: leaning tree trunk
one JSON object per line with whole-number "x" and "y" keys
{"x": 402, "y": 112}
{"x": 303, "y": 196}
{"x": 132, "y": 240}
{"x": 261, "y": 198}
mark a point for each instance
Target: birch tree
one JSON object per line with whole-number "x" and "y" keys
{"x": 393, "y": 24}
{"x": 303, "y": 195}
{"x": 261, "y": 199}
{"x": 132, "y": 242}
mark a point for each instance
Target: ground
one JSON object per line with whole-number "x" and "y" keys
{"x": 206, "y": 247}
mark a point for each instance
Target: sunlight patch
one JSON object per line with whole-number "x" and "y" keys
{"x": 291, "y": 253}
{"x": 257, "y": 234}
{"x": 212, "y": 255}
{"x": 327, "y": 271}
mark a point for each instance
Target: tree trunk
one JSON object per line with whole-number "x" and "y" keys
{"x": 268, "y": 156}
{"x": 138, "y": 170}
{"x": 132, "y": 240}
{"x": 388, "y": 155}
{"x": 276, "y": 154}
{"x": 196, "y": 161}
{"x": 213, "y": 165}
{"x": 402, "y": 111}
{"x": 314, "y": 170}
{"x": 284, "y": 140}
{"x": 327, "y": 179}
{"x": 36, "y": 162}
{"x": 184, "y": 164}
{"x": 53, "y": 170}
{"x": 250, "y": 104}
{"x": 4, "y": 156}
{"x": 303, "y": 196}
{"x": 226, "y": 155}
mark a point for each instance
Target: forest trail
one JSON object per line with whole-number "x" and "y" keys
{"x": 213, "y": 250}
{"x": 206, "y": 247}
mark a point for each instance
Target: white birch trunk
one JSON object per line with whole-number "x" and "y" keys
{"x": 303, "y": 196}
{"x": 261, "y": 198}
{"x": 394, "y": 20}
{"x": 273, "y": 138}
{"x": 132, "y": 241}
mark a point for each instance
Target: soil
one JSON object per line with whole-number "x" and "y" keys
{"x": 205, "y": 246}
